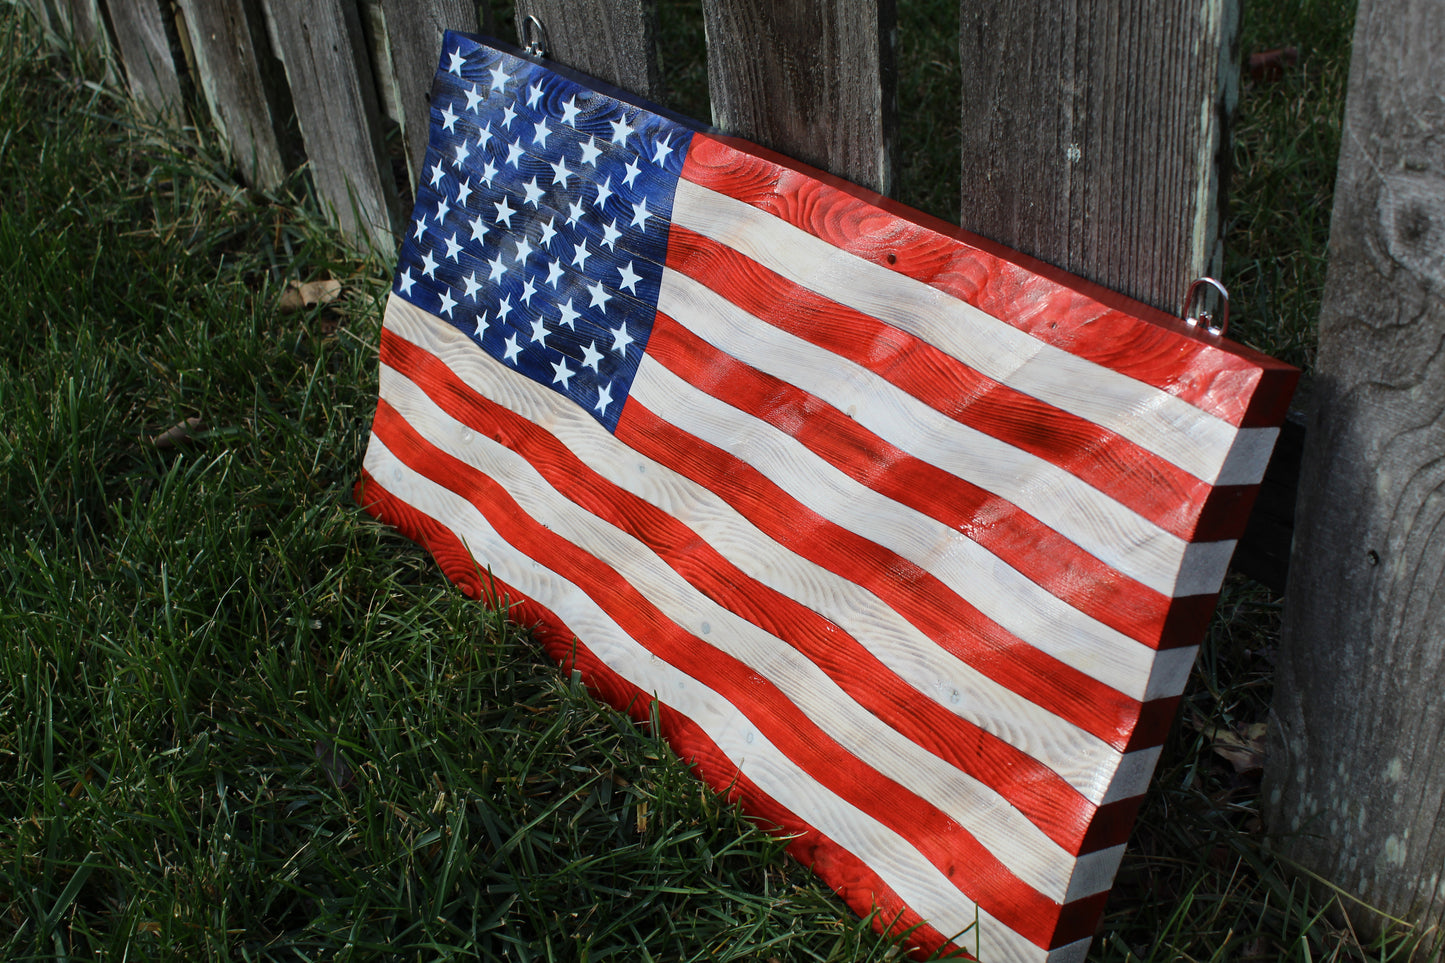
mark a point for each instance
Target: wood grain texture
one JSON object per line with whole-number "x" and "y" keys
{"x": 151, "y": 69}
{"x": 414, "y": 37}
{"x": 1355, "y": 762}
{"x": 813, "y": 79}
{"x": 245, "y": 87}
{"x": 612, "y": 40}
{"x": 324, "y": 51}
{"x": 1095, "y": 135}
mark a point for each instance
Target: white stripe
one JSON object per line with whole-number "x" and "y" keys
{"x": 1108, "y": 530}
{"x": 893, "y": 858}
{"x": 998, "y": 591}
{"x": 1001, "y": 829}
{"x": 1082, "y": 760}
{"x": 1193, "y": 439}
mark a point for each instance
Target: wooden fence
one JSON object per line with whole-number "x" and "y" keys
{"x": 1093, "y": 136}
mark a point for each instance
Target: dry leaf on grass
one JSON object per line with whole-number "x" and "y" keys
{"x": 1243, "y": 750}
{"x": 298, "y": 296}
{"x": 178, "y": 434}
{"x": 1269, "y": 66}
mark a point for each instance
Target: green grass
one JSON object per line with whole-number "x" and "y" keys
{"x": 240, "y": 721}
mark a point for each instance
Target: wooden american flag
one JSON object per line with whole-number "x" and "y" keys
{"x": 911, "y": 539}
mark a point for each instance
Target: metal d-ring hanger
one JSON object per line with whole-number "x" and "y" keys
{"x": 1206, "y": 318}
{"x": 534, "y": 37}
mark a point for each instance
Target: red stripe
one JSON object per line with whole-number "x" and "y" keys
{"x": 915, "y": 594}
{"x": 1044, "y": 797}
{"x": 1236, "y": 384}
{"x": 1162, "y": 492}
{"x": 1032, "y": 548}
{"x": 942, "y": 841}
{"x": 860, "y": 887}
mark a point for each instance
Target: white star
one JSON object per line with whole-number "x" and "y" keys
{"x": 539, "y": 331}
{"x": 453, "y": 248}
{"x": 604, "y": 398}
{"x": 528, "y": 290}
{"x": 484, "y": 137}
{"x": 534, "y": 193}
{"x": 504, "y": 212}
{"x": 569, "y": 111}
{"x": 420, "y": 228}
{"x": 443, "y": 209}
{"x": 621, "y": 339}
{"x": 474, "y": 98}
{"x": 463, "y": 152}
{"x": 447, "y": 303}
{"x": 479, "y": 227}
{"x": 449, "y": 119}
{"x": 590, "y": 151}
{"x": 524, "y": 250}
{"x": 569, "y": 314}
{"x": 632, "y": 171}
{"x": 473, "y": 285}
{"x": 428, "y": 266}
{"x": 660, "y": 155}
{"x": 512, "y": 349}
{"x": 437, "y": 174}
{"x": 504, "y": 309}
{"x": 610, "y": 234}
{"x": 514, "y": 155}
{"x": 508, "y": 115}
{"x": 497, "y": 269}
{"x": 554, "y": 273}
{"x": 540, "y": 132}
{"x": 629, "y": 278}
{"x": 560, "y": 173}
{"x": 562, "y": 375}
{"x": 489, "y": 171}
{"x": 534, "y": 93}
{"x": 575, "y": 211}
{"x": 499, "y": 75}
{"x": 405, "y": 282}
{"x": 579, "y": 260}
{"x": 591, "y": 356}
{"x": 548, "y": 232}
{"x": 620, "y": 130}
{"x": 640, "y": 214}
{"x": 455, "y": 66}
{"x": 464, "y": 191}
{"x": 600, "y": 295}
{"x": 604, "y": 191}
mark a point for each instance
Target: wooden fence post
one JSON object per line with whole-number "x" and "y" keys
{"x": 240, "y": 79}
{"x": 1095, "y": 135}
{"x": 334, "y": 91}
{"x": 145, "y": 49}
{"x": 813, "y": 79}
{"x": 414, "y": 35}
{"x": 1356, "y": 765}
{"x": 609, "y": 39}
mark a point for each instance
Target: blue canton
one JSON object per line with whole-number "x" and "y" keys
{"x": 541, "y": 222}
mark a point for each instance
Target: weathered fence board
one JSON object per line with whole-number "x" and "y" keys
{"x": 1354, "y": 765}
{"x": 609, "y": 39}
{"x": 414, "y": 36}
{"x": 813, "y": 79}
{"x": 239, "y": 76}
{"x": 146, "y": 51}
{"x": 1095, "y": 134}
{"x": 323, "y": 48}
